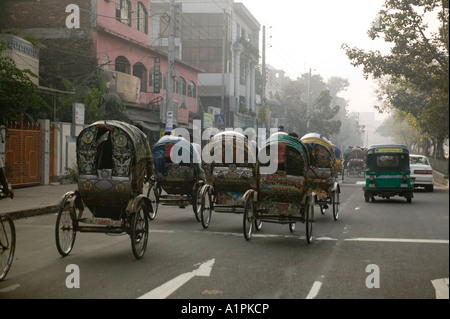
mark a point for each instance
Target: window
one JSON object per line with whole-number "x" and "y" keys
{"x": 140, "y": 71}
{"x": 142, "y": 18}
{"x": 123, "y": 11}
{"x": 387, "y": 160}
{"x": 122, "y": 65}
{"x": 181, "y": 86}
{"x": 192, "y": 90}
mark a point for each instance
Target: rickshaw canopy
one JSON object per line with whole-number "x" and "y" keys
{"x": 128, "y": 146}
{"x": 163, "y": 148}
{"x": 320, "y": 148}
{"x": 232, "y": 143}
{"x": 293, "y": 155}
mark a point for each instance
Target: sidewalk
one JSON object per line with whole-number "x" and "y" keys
{"x": 35, "y": 200}
{"x": 44, "y": 199}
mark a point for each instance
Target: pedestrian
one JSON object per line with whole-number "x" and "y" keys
{"x": 4, "y": 180}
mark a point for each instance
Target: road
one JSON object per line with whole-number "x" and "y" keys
{"x": 388, "y": 249}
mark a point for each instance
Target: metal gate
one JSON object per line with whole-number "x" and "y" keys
{"x": 22, "y": 153}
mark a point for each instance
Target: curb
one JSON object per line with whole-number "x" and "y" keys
{"x": 33, "y": 212}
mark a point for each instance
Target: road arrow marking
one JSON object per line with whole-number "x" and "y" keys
{"x": 169, "y": 287}
{"x": 441, "y": 287}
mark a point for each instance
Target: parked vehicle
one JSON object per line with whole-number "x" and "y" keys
{"x": 421, "y": 172}
{"x": 387, "y": 172}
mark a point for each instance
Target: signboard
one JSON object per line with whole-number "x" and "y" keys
{"x": 208, "y": 120}
{"x": 263, "y": 115}
{"x": 78, "y": 113}
{"x": 169, "y": 121}
{"x": 128, "y": 85}
{"x": 183, "y": 116}
{"x": 157, "y": 76}
{"x": 219, "y": 121}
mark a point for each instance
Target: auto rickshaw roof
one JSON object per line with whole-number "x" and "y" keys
{"x": 387, "y": 148}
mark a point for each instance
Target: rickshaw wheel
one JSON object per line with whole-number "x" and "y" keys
{"x": 309, "y": 221}
{"x": 65, "y": 230}
{"x": 249, "y": 214}
{"x": 336, "y": 205}
{"x": 153, "y": 195}
{"x": 292, "y": 227}
{"x": 197, "y": 201}
{"x": 139, "y": 231}
{"x": 206, "y": 207}
{"x": 258, "y": 224}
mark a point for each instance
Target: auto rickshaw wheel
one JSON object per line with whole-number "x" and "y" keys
{"x": 65, "y": 229}
{"x": 249, "y": 215}
{"x": 139, "y": 230}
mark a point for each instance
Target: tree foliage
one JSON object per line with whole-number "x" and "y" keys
{"x": 19, "y": 98}
{"x": 416, "y": 71}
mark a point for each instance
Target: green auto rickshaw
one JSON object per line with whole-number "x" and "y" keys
{"x": 387, "y": 172}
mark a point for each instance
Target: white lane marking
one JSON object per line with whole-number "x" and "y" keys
{"x": 392, "y": 240}
{"x": 314, "y": 290}
{"x": 441, "y": 287}
{"x": 401, "y": 240}
{"x": 10, "y": 288}
{"x": 169, "y": 287}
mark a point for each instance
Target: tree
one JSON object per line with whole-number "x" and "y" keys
{"x": 416, "y": 69}
{"x": 19, "y": 98}
{"x": 99, "y": 103}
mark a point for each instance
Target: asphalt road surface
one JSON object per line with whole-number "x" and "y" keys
{"x": 387, "y": 249}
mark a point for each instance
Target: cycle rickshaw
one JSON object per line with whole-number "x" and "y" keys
{"x": 387, "y": 172}
{"x": 283, "y": 195}
{"x": 230, "y": 172}
{"x": 322, "y": 174}
{"x": 178, "y": 175}
{"x": 356, "y": 161}
{"x": 7, "y": 241}
{"x": 113, "y": 161}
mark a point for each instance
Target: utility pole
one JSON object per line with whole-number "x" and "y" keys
{"x": 170, "y": 66}
{"x": 224, "y": 41}
{"x": 308, "y": 102}
{"x": 263, "y": 97}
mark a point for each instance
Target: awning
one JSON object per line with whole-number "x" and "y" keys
{"x": 146, "y": 118}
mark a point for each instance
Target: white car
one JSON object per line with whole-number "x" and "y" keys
{"x": 421, "y": 172}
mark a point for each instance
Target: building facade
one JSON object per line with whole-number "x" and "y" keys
{"x": 77, "y": 37}
{"x": 222, "y": 39}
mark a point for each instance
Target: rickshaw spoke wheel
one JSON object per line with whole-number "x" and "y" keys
{"x": 206, "y": 208}
{"x": 7, "y": 244}
{"x": 65, "y": 232}
{"x": 153, "y": 195}
{"x": 197, "y": 202}
{"x": 292, "y": 227}
{"x": 309, "y": 221}
{"x": 336, "y": 205}
{"x": 249, "y": 214}
{"x": 139, "y": 231}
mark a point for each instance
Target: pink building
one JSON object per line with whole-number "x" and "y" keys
{"x": 79, "y": 36}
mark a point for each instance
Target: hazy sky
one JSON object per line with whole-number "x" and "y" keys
{"x": 304, "y": 34}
